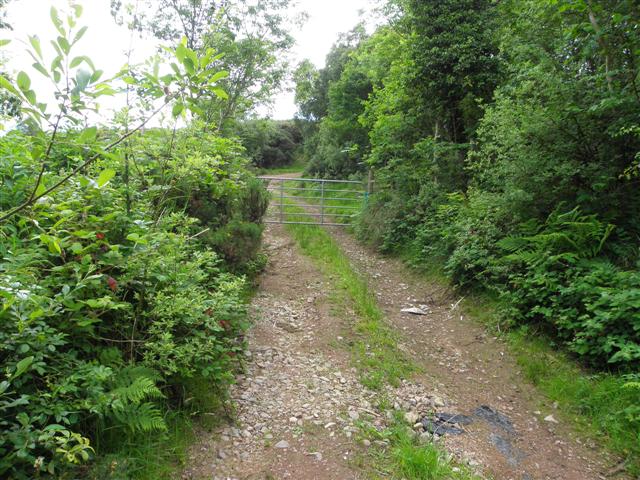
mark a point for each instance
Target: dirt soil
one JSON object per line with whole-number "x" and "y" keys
{"x": 473, "y": 370}
{"x": 299, "y": 398}
{"x": 299, "y": 402}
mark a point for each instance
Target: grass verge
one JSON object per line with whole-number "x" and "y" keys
{"x": 604, "y": 407}
{"x": 380, "y": 362}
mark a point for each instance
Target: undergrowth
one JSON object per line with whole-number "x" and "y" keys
{"x": 605, "y": 407}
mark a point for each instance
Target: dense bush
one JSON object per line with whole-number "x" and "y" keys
{"x": 104, "y": 311}
{"x": 556, "y": 280}
{"x": 115, "y": 300}
{"x": 270, "y": 143}
{"x": 487, "y": 121}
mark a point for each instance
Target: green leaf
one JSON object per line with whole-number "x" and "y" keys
{"x": 24, "y": 82}
{"x": 219, "y": 76}
{"x": 178, "y": 108}
{"x": 189, "y": 66}
{"x": 40, "y": 190}
{"x": 6, "y": 84}
{"x": 83, "y": 77}
{"x": 55, "y": 18}
{"x": 40, "y": 68}
{"x": 105, "y": 177}
{"x": 82, "y": 58}
{"x": 193, "y": 57}
{"x": 220, "y": 93}
{"x": 88, "y": 135}
{"x": 64, "y": 45}
{"x": 96, "y": 76}
{"x": 22, "y": 366}
{"x": 134, "y": 237}
{"x": 30, "y": 95}
{"x": 35, "y": 43}
{"x": 181, "y": 52}
{"x": 4, "y": 42}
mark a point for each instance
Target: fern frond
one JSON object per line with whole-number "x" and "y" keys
{"x": 143, "y": 417}
{"x": 139, "y": 389}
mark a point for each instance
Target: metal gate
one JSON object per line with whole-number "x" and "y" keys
{"x": 310, "y": 201}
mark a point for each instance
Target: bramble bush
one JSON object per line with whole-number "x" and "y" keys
{"x": 558, "y": 281}
{"x": 113, "y": 299}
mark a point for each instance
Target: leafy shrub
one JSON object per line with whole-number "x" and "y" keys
{"x": 270, "y": 143}
{"x": 238, "y": 242}
{"x": 557, "y": 282}
{"x": 254, "y": 201}
{"x": 112, "y": 302}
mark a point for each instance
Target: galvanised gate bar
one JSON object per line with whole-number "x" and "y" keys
{"x": 310, "y": 201}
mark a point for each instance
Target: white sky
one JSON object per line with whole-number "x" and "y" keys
{"x": 106, "y": 43}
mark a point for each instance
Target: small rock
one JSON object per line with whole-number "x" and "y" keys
{"x": 222, "y": 455}
{"x": 366, "y": 443}
{"x": 551, "y": 419}
{"x": 438, "y": 402}
{"x": 414, "y": 311}
{"x": 411, "y": 417}
{"x": 353, "y": 415}
{"x": 282, "y": 444}
{"x": 317, "y": 455}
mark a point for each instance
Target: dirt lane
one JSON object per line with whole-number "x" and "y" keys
{"x": 471, "y": 369}
{"x": 299, "y": 399}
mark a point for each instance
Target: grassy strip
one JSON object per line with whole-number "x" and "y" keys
{"x": 375, "y": 348}
{"x": 380, "y": 362}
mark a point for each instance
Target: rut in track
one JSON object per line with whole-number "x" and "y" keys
{"x": 299, "y": 402}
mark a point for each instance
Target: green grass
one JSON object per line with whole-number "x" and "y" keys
{"x": 409, "y": 458}
{"x": 297, "y": 167}
{"x": 380, "y": 362}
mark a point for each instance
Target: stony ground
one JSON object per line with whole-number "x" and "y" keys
{"x": 299, "y": 403}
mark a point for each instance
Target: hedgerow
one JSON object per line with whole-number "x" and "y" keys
{"x": 114, "y": 297}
